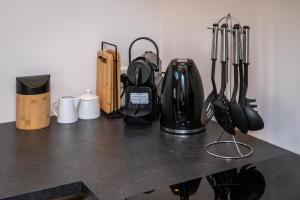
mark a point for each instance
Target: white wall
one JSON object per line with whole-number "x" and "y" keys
{"x": 274, "y": 65}
{"x": 62, "y": 37}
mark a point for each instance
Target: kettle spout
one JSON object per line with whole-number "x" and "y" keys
{"x": 76, "y": 101}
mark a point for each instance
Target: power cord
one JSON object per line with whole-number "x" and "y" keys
{"x": 124, "y": 80}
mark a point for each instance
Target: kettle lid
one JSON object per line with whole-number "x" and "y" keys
{"x": 88, "y": 96}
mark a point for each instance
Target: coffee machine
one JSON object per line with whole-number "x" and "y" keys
{"x": 142, "y": 91}
{"x": 182, "y": 98}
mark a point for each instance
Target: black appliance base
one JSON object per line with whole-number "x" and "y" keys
{"x": 138, "y": 120}
{"x": 183, "y": 131}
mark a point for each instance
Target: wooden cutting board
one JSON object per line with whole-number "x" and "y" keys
{"x": 104, "y": 80}
{"x": 118, "y": 75}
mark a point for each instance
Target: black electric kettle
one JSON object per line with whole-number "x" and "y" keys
{"x": 182, "y": 98}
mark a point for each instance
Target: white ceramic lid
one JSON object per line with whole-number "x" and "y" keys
{"x": 88, "y": 96}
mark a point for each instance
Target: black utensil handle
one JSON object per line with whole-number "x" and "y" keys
{"x": 223, "y": 80}
{"x": 156, "y": 48}
{"x": 214, "y": 52}
{"x": 235, "y": 83}
{"x": 241, "y": 73}
{"x": 213, "y": 72}
{"x": 245, "y": 88}
{"x": 235, "y": 60}
{"x": 246, "y": 32}
{"x": 224, "y": 58}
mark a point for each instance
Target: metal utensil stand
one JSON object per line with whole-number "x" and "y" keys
{"x": 116, "y": 113}
{"x": 236, "y": 144}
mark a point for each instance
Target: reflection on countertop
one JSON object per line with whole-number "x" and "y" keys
{"x": 275, "y": 178}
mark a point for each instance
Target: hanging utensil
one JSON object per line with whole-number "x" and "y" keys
{"x": 254, "y": 120}
{"x": 237, "y": 113}
{"x": 222, "y": 104}
{"x": 208, "y": 109}
{"x": 241, "y": 69}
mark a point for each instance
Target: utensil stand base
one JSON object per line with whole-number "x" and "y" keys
{"x": 113, "y": 115}
{"x": 237, "y": 145}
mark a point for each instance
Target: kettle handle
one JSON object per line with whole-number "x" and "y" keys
{"x": 54, "y": 108}
{"x": 182, "y": 90}
{"x": 156, "y": 48}
{"x": 76, "y": 101}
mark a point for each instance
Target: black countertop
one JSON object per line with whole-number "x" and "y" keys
{"x": 112, "y": 159}
{"x": 275, "y": 178}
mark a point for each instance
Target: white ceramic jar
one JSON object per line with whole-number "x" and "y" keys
{"x": 89, "y": 107}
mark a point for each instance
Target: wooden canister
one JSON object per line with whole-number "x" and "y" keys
{"x": 33, "y": 102}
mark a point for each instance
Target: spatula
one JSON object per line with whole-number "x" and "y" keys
{"x": 254, "y": 120}
{"x": 238, "y": 116}
{"x": 222, "y": 104}
{"x": 208, "y": 109}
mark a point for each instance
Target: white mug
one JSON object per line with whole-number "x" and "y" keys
{"x": 65, "y": 109}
